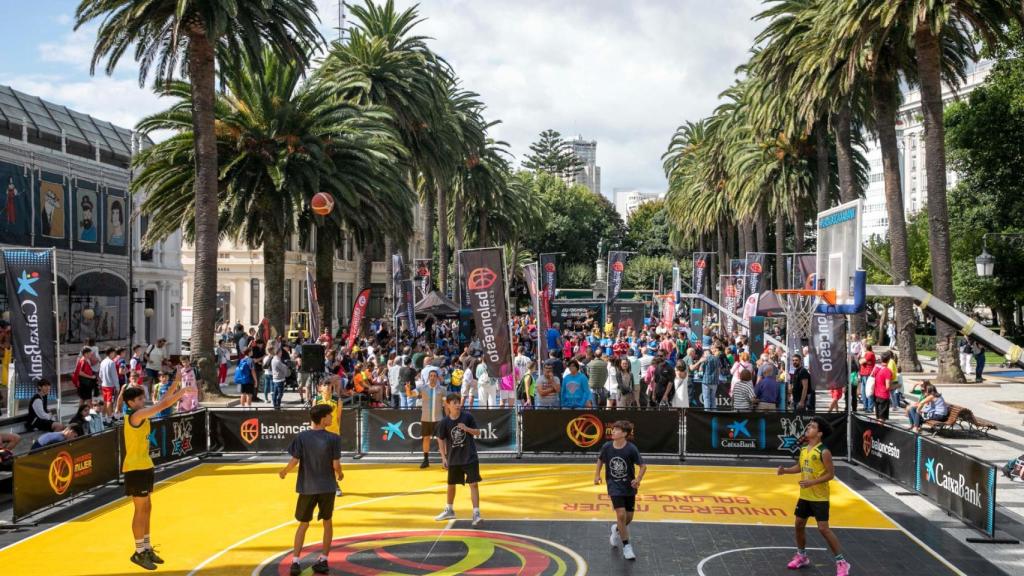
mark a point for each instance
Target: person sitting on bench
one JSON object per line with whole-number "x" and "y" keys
{"x": 39, "y": 417}
{"x": 931, "y": 407}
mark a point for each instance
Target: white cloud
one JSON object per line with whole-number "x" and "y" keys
{"x": 74, "y": 48}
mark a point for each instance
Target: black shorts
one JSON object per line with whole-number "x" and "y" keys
{"x": 882, "y": 409}
{"x": 807, "y": 508}
{"x": 138, "y": 482}
{"x": 464, "y": 473}
{"x": 249, "y": 389}
{"x": 627, "y": 502}
{"x": 42, "y": 425}
{"x": 86, "y": 389}
{"x": 306, "y": 502}
{"x": 427, "y": 429}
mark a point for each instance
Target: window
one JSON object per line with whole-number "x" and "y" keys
{"x": 288, "y": 296}
{"x": 254, "y": 301}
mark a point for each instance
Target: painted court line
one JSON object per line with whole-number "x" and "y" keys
{"x": 700, "y": 566}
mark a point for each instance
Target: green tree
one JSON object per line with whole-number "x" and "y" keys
{"x": 577, "y": 276}
{"x": 647, "y": 229}
{"x": 187, "y": 37}
{"x": 642, "y": 272}
{"x": 553, "y": 155}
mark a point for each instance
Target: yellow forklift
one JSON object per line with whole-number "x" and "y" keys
{"x": 298, "y": 327}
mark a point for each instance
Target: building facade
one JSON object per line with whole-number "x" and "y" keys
{"x": 913, "y": 175}
{"x": 590, "y": 174}
{"x": 627, "y": 200}
{"x": 67, "y": 178}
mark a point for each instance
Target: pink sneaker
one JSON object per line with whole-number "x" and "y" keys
{"x": 842, "y": 568}
{"x": 798, "y": 561}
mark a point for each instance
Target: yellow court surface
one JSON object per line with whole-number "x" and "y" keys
{"x": 234, "y": 518}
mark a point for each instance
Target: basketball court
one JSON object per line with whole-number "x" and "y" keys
{"x": 541, "y": 518}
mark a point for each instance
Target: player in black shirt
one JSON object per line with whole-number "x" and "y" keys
{"x": 620, "y": 457}
{"x": 455, "y": 438}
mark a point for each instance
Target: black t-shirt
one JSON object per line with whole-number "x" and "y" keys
{"x": 461, "y": 446}
{"x": 316, "y": 451}
{"x": 799, "y": 377}
{"x": 620, "y": 467}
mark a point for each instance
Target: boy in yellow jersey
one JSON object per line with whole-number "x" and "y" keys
{"x": 816, "y": 470}
{"x": 138, "y": 466}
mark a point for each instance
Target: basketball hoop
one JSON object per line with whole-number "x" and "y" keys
{"x": 799, "y": 305}
{"x": 828, "y": 296}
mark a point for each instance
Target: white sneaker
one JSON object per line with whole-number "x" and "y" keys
{"x": 477, "y": 519}
{"x": 445, "y": 515}
{"x": 615, "y": 540}
{"x": 627, "y": 552}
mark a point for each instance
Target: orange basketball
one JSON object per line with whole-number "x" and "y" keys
{"x": 322, "y": 204}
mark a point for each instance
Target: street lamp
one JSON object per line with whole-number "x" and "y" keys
{"x": 985, "y": 263}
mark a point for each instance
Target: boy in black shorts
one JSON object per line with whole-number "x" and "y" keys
{"x": 620, "y": 457}
{"x": 455, "y": 439}
{"x": 317, "y": 453}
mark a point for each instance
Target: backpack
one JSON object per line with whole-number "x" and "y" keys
{"x": 1014, "y": 469}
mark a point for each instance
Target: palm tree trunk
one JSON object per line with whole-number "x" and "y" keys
{"x": 273, "y": 275}
{"x": 723, "y": 258}
{"x": 202, "y": 72}
{"x": 459, "y": 222}
{"x": 730, "y": 244}
{"x": 821, "y": 146}
{"x": 780, "y": 248}
{"x": 484, "y": 237}
{"x": 844, "y": 154}
{"x": 762, "y": 227}
{"x": 748, "y": 237}
{"x": 325, "y": 245}
{"x": 885, "y": 118}
{"x": 428, "y": 222}
{"x": 799, "y": 229}
{"x": 444, "y": 254}
{"x": 929, "y": 68}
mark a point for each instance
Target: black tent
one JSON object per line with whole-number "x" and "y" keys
{"x": 437, "y": 305}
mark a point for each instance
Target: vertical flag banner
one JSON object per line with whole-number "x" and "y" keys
{"x": 738, "y": 266}
{"x": 755, "y": 270}
{"x": 31, "y": 304}
{"x": 314, "y": 306}
{"x": 696, "y": 325}
{"x": 485, "y": 282}
{"x": 677, "y": 282}
{"x": 616, "y": 272}
{"x": 668, "y": 311}
{"x": 423, "y": 277}
{"x": 548, "y": 281}
{"x": 358, "y": 313}
{"x": 756, "y": 337}
{"x": 730, "y": 299}
{"x": 530, "y": 275}
{"x": 408, "y": 300}
{"x": 828, "y": 351}
{"x": 701, "y": 266}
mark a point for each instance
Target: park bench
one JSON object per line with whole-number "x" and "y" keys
{"x": 976, "y": 424}
{"x": 952, "y": 420}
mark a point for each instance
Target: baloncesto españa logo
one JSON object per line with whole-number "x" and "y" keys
{"x": 252, "y": 430}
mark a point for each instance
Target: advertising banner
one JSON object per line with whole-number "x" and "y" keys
{"x": 756, "y": 337}
{"x": 738, "y": 266}
{"x": 755, "y": 270}
{"x": 616, "y": 273}
{"x": 253, "y": 430}
{"x": 532, "y": 285}
{"x": 568, "y": 313}
{"x": 408, "y": 305}
{"x": 176, "y": 437}
{"x": 422, "y": 277}
{"x": 668, "y": 311}
{"x": 760, "y": 433}
{"x": 627, "y": 316}
{"x": 696, "y": 325}
{"x": 314, "y": 306}
{"x": 677, "y": 281}
{"x": 485, "y": 282}
{"x": 16, "y": 222}
{"x": 888, "y": 450}
{"x": 548, "y": 284}
{"x": 358, "y": 313}
{"x": 959, "y": 484}
{"x": 656, "y": 431}
{"x": 828, "y": 352}
{"x": 56, "y": 473}
{"x": 701, "y": 267}
{"x": 30, "y": 303}
{"x": 386, "y": 430}
{"x": 732, "y": 299}
{"x": 53, "y": 206}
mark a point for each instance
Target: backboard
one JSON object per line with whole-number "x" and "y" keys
{"x": 839, "y": 250}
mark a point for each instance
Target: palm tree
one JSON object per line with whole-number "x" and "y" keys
{"x": 187, "y": 36}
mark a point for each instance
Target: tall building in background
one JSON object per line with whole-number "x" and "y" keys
{"x": 590, "y": 174}
{"x": 913, "y": 175}
{"x": 628, "y": 199}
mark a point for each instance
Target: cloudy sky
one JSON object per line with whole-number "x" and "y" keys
{"x": 622, "y": 73}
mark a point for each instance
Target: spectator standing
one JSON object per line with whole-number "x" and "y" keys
{"x": 576, "y": 391}
{"x": 187, "y": 374}
{"x": 709, "y": 366}
{"x": 867, "y": 366}
{"x": 84, "y": 377}
{"x": 743, "y": 397}
{"x": 597, "y": 374}
{"x": 486, "y": 386}
{"x": 767, "y": 389}
{"x": 741, "y": 364}
{"x": 549, "y": 388}
{"x": 245, "y": 377}
{"x": 802, "y": 389}
{"x": 279, "y": 372}
{"x": 979, "y": 360}
{"x": 154, "y": 358}
{"x": 109, "y": 383}
{"x": 223, "y": 360}
{"x": 966, "y": 353}
{"x": 432, "y": 395}
{"x": 883, "y": 384}
{"x": 681, "y": 387}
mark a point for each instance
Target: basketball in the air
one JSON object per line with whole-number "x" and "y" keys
{"x": 322, "y": 204}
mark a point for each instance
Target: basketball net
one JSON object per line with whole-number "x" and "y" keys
{"x": 799, "y": 312}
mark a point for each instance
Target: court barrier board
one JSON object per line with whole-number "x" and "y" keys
{"x": 270, "y": 430}
{"x": 555, "y": 430}
{"x": 958, "y": 483}
{"x": 400, "y": 431}
{"x": 175, "y": 438}
{"x": 759, "y": 434}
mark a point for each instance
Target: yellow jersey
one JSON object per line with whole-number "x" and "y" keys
{"x": 335, "y": 425}
{"x": 136, "y": 446}
{"x": 811, "y": 467}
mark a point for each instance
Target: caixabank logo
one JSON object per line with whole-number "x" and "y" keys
{"x": 400, "y": 430}
{"x": 474, "y": 552}
{"x": 957, "y": 484}
{"x": 732, "y": 433}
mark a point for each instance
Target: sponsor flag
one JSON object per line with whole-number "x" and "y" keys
{"x": 701, "y": 267}
{"x": 409, "y": 305}
{"x": 548, "y": 270}
{"x": 314, "y": 306}
{"x": 423, "y": 276}
{"x": 677, "y": 283}
{"x": 616, "y": 272}
{"x": 755, "y": 270}
{"x": 530, "y": 275}
{"x": 828, "y": 351}
{"x": 731, "y": 298}
{"x": 696, "y": 325}
{"x": 33, "y": 333}
{"x": 397, "y": 268}
{"x": 358, "y": 313}
{"x": 756, "y": 337}
{"x": 485, "y": 282}
{"x": 668, "y": 311}
{"x": 738, "y": 266}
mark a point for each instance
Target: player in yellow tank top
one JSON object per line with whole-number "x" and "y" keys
{"x": 816, "y": 471}
{"x": 138, "y": 466}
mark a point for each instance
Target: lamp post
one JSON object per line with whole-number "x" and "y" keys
{"x": 985, "y": 263}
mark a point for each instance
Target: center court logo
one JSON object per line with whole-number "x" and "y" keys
{"x": 585, "y": 430}
{"x": 441, "y": 552}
